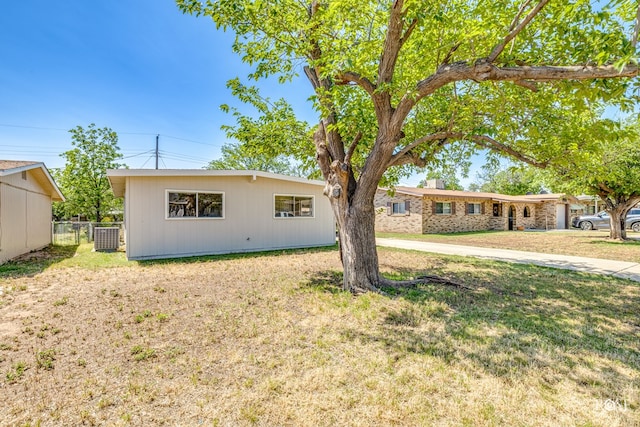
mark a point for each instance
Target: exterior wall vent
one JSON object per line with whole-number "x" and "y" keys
{"x": 106, "y": 238}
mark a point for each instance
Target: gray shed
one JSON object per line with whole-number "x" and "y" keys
{"x": 26, "y": 192}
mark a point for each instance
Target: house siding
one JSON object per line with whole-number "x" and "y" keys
{"x": 25, "y": 215}
{"x": 248, "y": 223}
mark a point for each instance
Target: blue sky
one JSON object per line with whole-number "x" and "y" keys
{"x": 139, "y": 67}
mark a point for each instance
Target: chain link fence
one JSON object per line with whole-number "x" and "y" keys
{"x": 75, "y": 233}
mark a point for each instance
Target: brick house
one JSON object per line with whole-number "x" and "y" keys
{"x": 432, "y": 210}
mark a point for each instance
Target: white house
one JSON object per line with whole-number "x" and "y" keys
{"x": 178, "y": 213}
{"x": 26, "y": 192}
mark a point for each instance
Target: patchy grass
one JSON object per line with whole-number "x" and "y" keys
{"x": 593, "y": 244}
{"x": 273, "y": 340}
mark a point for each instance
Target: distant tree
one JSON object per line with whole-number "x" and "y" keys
{"x": 513, "y": 180}
{"x": 83, "y": 180}
{"x": 607, "y": 166}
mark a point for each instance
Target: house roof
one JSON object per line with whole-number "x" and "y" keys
{"x": 40, "y": 172}
{"x": 117, "y": 177}
{"x": 455, "y": 194}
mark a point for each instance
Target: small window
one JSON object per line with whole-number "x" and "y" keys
{"x": 293, "y": 206}
{"x": 398, "y": 208}
{"x": 195, "y": 204}
{"x": 497, "y": 209}
{"x": 474, "y": 208}
{"x": 443, "y": 208}
{"x": 24, "y": 175}
{"x": 527, "y": 212}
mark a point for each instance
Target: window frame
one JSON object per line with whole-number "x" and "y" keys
{"x": 404, "y": 208}
{"x": 526, "y": 212}
{"x": 305, "y": 196}
{"x": 474, "y": 204}
{"x": 401, "y": 208}
{"x": 451, "y": 208}
{"x": 197, "y": 209}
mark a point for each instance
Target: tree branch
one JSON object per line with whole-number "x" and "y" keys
{"x": 482, "y": 70}
{"x": 352, "y": 148}
{"x": 351, "y": 77}
{"x": 515, "y": 31}
{"x": 406, "y": 156}
{"x": 392, "y": 43}
{"x": 636, "y": 30}
{"x": 407, "y": 33}
{"x": 453, "y": 49}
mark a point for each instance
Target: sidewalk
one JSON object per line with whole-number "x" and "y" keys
{"x": 622, "y": 269}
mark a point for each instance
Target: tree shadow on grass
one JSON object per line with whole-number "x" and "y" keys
{"x": 516, "y": 320}
{"x": 36, "y": 262}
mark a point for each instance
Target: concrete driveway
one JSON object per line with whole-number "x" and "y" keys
{"x": 621, "y": 269}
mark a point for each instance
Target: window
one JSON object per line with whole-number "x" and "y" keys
{"x": 399, "y": 208}
{"x": 527, "y": 212}
{"x": 293, "y": 206}
{"x": 443, "y": 208}
{"x": 497, "y": 209}
{"x": 195, "y": 204}
{"x": 474, "y": 208}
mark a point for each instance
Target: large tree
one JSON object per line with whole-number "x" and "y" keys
{"x": 396, "y": 81}
{"x": 609, "y": 169}
{"x": 83, "y": 180}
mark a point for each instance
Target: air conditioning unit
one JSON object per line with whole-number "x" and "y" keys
{"x": 106, "y": 238}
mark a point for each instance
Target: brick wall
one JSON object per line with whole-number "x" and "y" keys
{"x": 458, "y": 220}
{"x": 423, "y": 219}
{"x": 409, "y": 222}
{"x": 546, "y": 216}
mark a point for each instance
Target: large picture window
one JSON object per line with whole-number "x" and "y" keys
{"x": 194, "y": 204}
{"x": 293, "y": 206}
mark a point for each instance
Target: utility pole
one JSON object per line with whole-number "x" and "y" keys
{"x": 157, "y": 138}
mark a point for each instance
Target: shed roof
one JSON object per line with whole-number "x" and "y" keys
{"x": 456, "y": 194}
{"x": 117, "y": 177}
{"x": 40, "y": 171}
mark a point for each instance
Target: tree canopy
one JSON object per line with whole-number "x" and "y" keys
{"x": 83, "y": 180}
{"x": 274, "y": 141}
{"x": 608, "y": 167}
{"x": 396, "y": 82}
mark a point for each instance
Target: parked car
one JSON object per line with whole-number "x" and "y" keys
{"x": 601, "y": 221}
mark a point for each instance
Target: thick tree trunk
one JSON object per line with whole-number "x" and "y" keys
{"x": 617, "y": 229}
{"x": 356, "y": 230}
{"x": 618, "y": 208}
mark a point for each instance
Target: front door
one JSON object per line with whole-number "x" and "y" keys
{"x": 512, "y": 217}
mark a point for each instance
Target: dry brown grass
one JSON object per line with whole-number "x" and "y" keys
{"x": 271, "y": 340}
{"x": 593, "y": 244}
